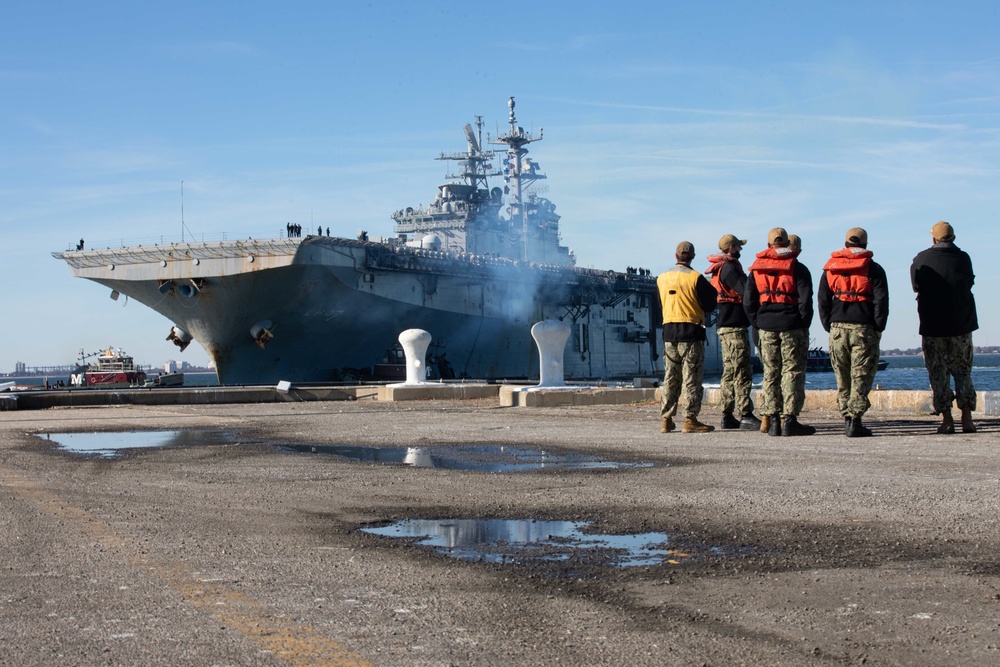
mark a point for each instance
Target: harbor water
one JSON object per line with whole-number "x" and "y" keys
{"x": 908, "y": 373}
{"x": 903, "y": 372}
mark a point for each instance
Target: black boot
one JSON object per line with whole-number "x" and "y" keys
{"x": 749, "y": 423}
{"x": 775, "y": 426}
{"x": 729, "y": 421}
{"x": 947, "y": 425}
{"x": 855, "y": 429}
{"x": 968, "y": 426}
{"x": 847, "y": 426}
{"x": 791, "y": 426}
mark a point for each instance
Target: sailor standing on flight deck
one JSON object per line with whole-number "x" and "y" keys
{"x": 729, "y": 281}
{"x": 942, "y": 277}
{"x": 685, "y": 296}
{"x": 778, "y": 301}
{"x": 853, "y": 302}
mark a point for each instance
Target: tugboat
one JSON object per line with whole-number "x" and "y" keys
{"x": 113, "y": 370}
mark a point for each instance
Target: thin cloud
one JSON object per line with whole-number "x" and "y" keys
{"x": 20, "y": 75}
{"x": 581, "y": 42}
{"x": 211, "y": 49}
{"x": 521, "y": 46}
{"x": 35, "y": 124}
{"x": 763, "y": 115}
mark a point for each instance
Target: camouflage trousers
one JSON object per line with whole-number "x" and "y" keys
{"x": 783, "y": 353}
{"x": 946, "y": 356}
{"x": 854, "y": 353}
{"x": 737, "y": 375}
{"x": 683, "y": 362}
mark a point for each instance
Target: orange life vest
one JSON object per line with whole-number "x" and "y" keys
{"x": 847, "y": 274}
{"x": 774, "y": 274}
{"x": 726, "y": 293}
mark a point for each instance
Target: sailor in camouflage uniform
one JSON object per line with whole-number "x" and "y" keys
{"x": 853, "y": 303}
{"x": 942, "y": 277}
{"x": 778, "y": 302}
{"x": 729, "y": 280}
{"x": 685, "y": 297}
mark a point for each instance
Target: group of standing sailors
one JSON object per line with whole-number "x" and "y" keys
{"x": 775, "y": 299}
{"x": 295, "y": 231}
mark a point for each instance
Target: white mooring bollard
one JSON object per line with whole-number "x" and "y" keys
{"x": 415, "y": 343}
{"x": 550, "y": 337}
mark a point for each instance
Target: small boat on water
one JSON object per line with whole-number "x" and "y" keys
{"x": 166, "y": 380}
{"x": 113, "y": 370}
{"x": 817, "y": 361}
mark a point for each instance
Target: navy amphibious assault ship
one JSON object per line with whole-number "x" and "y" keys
{"x": 476, "y": 268}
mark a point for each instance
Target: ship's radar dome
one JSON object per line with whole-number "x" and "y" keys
{"x": 431, "y": 242}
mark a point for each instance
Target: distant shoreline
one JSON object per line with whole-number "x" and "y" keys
{"x": 917, "y": 352}
{"x": 59, "y": 373}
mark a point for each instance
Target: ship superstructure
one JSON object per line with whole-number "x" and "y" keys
{"x": 476, "y": 268}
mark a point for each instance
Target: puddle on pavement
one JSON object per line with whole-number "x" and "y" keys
{"x": 480, "y": 458}
{"x": 108, "y": 445}
{"x": 533, "y": 542}
{"x": 483, "y": 458}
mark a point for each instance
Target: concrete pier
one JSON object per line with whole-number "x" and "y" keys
{"x": 785, "y": 551}
{"x": 901, "y": 401}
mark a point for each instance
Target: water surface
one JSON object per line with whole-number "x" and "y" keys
{"x": 531, "y": 541}
{"x": 481, "y": 458}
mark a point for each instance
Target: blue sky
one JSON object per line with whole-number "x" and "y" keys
{"x": 663, "y": 122}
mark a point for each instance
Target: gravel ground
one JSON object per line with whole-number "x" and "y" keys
{"x": 819, "y": 550}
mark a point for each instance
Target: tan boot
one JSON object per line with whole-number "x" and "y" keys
{"x": 692, "y": 425}
{"x": 947, "y": 423}
{"x": 967, "y": 425}
{"x": 667, "y": 425}
{"x": 765, "y": 423}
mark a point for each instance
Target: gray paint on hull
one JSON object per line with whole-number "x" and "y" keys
{"x": 331, "y": 312}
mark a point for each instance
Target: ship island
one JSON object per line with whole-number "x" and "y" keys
{"x": 476, "y": 268}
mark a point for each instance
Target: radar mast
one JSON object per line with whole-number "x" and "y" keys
{"x": 520, "y": 171}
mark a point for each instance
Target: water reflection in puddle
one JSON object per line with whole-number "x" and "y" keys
{"x": 481, "y": 458}
{"x": 527, "y": 541}
{"x": 111, "y": 444}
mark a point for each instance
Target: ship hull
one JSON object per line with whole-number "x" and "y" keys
{"x": 334, "y": 306}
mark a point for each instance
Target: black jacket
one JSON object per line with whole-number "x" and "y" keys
{"x": 874, "y": 312}
{"x": 781, "y": 316}
{"x": 942, "y": 277}
{"x": 732, "y": 314}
